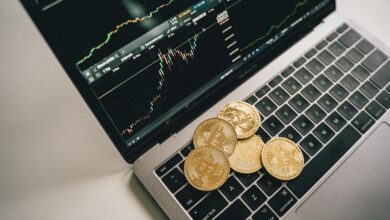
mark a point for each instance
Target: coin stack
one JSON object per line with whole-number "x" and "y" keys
{"x": 230, "y": 141}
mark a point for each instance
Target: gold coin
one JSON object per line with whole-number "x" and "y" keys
{"x": 243, "y": 116}
{"x": 206, "y": 168}
{"x": 217, "y": 133}
{"x": 282, "y": 158}
{"x": 246, "y": 156}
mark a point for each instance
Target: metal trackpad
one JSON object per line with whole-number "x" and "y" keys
{"x": 360, "y": 188}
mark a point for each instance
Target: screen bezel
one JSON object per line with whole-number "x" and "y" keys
{"x": 186, "y": 115}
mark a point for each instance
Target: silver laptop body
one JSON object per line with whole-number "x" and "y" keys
{"x": 356, "y": 187}
{"x": 324, "y": 83}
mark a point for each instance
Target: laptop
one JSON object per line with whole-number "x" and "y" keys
{"x": 151, "y": 71}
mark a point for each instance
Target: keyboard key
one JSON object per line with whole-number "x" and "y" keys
{"x": 253, "y": 197}
{"x": 336, "y": 49}
{"x": 369, "y": 90}
{"x": 278, "y": 95}
{"x": 275, "y": 81}
{"x": 311, "y": 53}
{"x": 288, "y": 71}
{"x": 286, "y": 114}
{"x": 315, "y": 66}
{"x": 358, "y": 100}
{"x": 291, "y": 134}
{"x": 163, "y": 169}
{"x": 187, "y": 149}
{"x": 306, "y": 157}
{"x": 174, "y": 180}
{"x": 232, "y": 188}
{"x": 181, "y": 166}
{"x": 374, "y": 60}
{"x": 349, "y": 38}
{"x": 332, "y": 36}
{"x": 344, "y": 64}
{"x": 322, "y": 83}
{"x": 247, "y": 179}
{"x": 264, "y": 136}
{"x": 261, "y": 92}
{"x": 342, "y": 28}
{"x": 321, "y": 45}
{"x": 384, "y": 99}
{"x": 298, "y": 103}
{"x": 382, "y": 76}
{"x": 251, "y": 100}
{"x": 315, "y": 113}
{"x": 327, "y": 103}
{"x": 266, "y": 106}
{"x": 324, "y": 160}
{"x": 365, "y": 46}
{"x": 350, "y": 83}
{"x": 388, "y": 88}
{"x": 303, "y": 76}
{"x": 354, "y": 55}
{"x": 264, "y": 213}
{"x": 282, "y": 201}
{"x": 311, "y": 144}
{"x": 291, "y": 85}
{"x": 375, "y": 109}
{"x": 339, "y": 93}
{"x": 311, "y": 93}
{"x": 360, "y": 73}
{"x": 363, "y": 122}
{"x": 303, "y": 125}
{"x": 272, "y": 125}
{"x": 326, "y": 58}
{"x": 347, "y": 110}
{"x": 209, "y": 207}
{"x": 333, "y": 73}
{"x": 299, "y": 62}
{"x": 188, "y": 196}
{"x": 336, "y": 121}
{"x": 323, "y": 132}
{"x": 237, "y": 210}
{"x": 269, "y": 184}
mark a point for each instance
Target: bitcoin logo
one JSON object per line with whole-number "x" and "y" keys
{"x": 217, "y": 133}
{"x": 206, "y": 168}
{"x": 282, "y": 158}
{"x": 243, "y": 117}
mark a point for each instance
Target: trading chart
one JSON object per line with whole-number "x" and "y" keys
{"x": 147, "y": 60}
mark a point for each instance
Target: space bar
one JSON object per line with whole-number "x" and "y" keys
{"x": 320, "y": 164}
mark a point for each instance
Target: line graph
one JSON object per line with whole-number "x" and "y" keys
{"x": 120, "y": 26}
{"x": 275, "y": 27}
{"x": 166, "y": 62}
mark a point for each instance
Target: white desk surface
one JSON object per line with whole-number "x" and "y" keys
{"x": 56, "y": 162}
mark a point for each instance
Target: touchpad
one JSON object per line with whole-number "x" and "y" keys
{"x": 360, "y": 188}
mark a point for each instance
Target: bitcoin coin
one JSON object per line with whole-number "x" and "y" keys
{"x": 243, "y": 116}
{"x": 282, "y": 158}
{"x": 206, "y": 168}
{"x": 246, "y": 155}
{"x": 217, "y": 133}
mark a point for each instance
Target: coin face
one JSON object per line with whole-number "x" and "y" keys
{"x": 282, "y": 158}
{"x": 243, "y": 116}
{"x": 246, "y": 155}
{"x": 217, "y": 133}
{"x": 206, "y": 168}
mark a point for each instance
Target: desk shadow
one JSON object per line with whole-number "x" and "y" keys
{"x": 146, "y": 199}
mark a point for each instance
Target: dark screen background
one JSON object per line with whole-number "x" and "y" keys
{"x": 79, "y": 26}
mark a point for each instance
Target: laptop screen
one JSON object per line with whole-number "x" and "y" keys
{"x": 144, "y": 61}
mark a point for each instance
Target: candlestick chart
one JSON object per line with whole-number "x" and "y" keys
{"x": 165, "y": 63}
{"x": 171, "y": 74}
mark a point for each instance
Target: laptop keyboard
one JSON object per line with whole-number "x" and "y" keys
{"x": 325, "y": 101}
